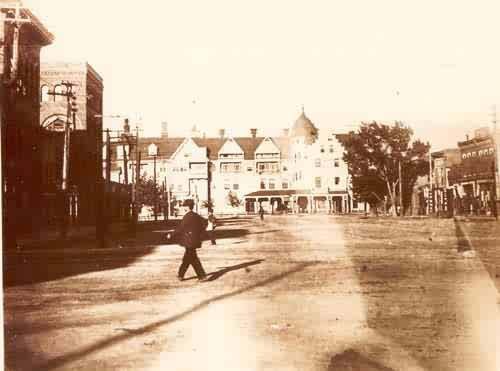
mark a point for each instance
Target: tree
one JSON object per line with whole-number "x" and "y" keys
{"x": 146, "y": 191}
{"x": 373, "y": 155}
{"x": 233, "y": 200}
{"x": 208, "y": 204}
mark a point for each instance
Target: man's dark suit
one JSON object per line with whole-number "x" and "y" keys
{"x": 194, "y": 225}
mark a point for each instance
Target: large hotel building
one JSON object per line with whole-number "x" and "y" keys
{"x": 300, "y": 171}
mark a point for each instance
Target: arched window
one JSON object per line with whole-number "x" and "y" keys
{"x": 44, "y": 93}
{"x": 59, "y": 89}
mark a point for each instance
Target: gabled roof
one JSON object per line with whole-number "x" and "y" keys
{"x": 166, "y": 146}
{"x": 213, "y": 146}
{"x": 268, "y": 145}
{"x": 230, "y": 146}
{"x": 283, "y": 144}
{"x": 249, "y": 145}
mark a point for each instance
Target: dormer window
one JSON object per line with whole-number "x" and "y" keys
{"x": 152, "y": 150}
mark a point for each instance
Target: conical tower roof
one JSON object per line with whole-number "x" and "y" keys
{"x": 303, "y": 127}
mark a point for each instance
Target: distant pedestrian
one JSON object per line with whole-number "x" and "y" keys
{"x": 261, "y": 213}
{"x": 190, "y": 232}
{"x": 212, "y": 223}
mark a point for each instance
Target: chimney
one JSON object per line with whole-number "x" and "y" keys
{"x": 285, "y": 132}
{"x": 466, "y": 137}
{"x": 222, "y": 133}
{"x": 164, "y": 129}
{"x": 126, "y": 126}
{"x": 253, "y": 132}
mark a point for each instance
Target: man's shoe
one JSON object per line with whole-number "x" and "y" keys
{"x": 180, "y": 278}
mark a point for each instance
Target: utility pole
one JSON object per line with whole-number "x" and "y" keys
{"x": 496, "y": 175}
{"x": 70, "y": 112}
{"x": 155, "y": 196}
{"x": 430, "y": 204}
{"x": 400, "y": 190}
{"x": 167, "y": 189}
{"x": 17, "y": 21}
{"x": 136, "y": 184}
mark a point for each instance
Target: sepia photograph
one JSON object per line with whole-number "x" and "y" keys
{"x": 301, "y": 185}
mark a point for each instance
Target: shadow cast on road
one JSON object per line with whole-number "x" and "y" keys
{"x": 351, "y": 360}
{"x": 73, "y": 356}
{"x": 35, "y": 267}
{"x": 212, "y": 276}
{"x": 463, "y": 243}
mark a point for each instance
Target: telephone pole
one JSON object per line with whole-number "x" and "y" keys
{"x": 70, "y": 114}
{"x": 496, "y": 176}
{"x": 136, "y": 184}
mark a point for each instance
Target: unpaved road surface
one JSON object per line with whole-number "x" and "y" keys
{"x": 290, "y": 293}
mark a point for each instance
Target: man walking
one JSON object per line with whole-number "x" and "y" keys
{"x": 190, "y": 232}
{"x": 261, "y": 213}
{"x": 212, "y": 223}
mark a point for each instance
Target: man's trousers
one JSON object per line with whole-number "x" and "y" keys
{"x": 191, "y": 258}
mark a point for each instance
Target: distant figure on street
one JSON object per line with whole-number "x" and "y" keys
{"x": 261, "y": 212}
{"x": 190, "y": 232}
{"x": 212, "y": 223}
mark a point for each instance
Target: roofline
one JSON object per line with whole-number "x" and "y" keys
{"x": 77, "y": 62}
{"x": 48, "y": 37}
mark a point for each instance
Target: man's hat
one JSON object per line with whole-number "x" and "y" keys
{"x": 188, "y": 203}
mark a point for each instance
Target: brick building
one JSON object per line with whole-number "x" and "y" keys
{"x": 85, "y": 165}
{"x": 22, "y": 36}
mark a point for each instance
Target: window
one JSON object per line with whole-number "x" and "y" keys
{"x": 322, "y": 149}
{"x": 354, "y": 204}
{"x": 249, "y": 169}
{"x": 337, "y": 180}
{"x": 262, "y": 185}
{"x": 59, "y": 89}
{"x": 230, "y": 167}
{"x": 44, "y": 92}
{"x": 336, "y": 162}
{"x": 285, "y": 168}
{"x": 236, "y": 187}
{"x": 179, "y": 187}
{"x": 331, "y": 148}
{"x": 268, "y": 167}
{"x": 317, "y": 162}
{"x": 271, "y": 184}
{"x": 284, "y": 185}
{"x": 317, "y": 182}
{"x": 227, "y": 186}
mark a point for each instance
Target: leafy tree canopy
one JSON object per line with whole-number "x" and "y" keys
{"x": 373, "y": 155}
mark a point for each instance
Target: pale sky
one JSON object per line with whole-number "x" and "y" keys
{"x": 435, "y": 65}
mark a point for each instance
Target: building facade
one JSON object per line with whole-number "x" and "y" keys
{"x": 473, "y": 179}
{"x": 85, "y": 118}
{"x": 299, "y": 171}
{"x": 463, "y": 179}
{"x": 22, "y": 36}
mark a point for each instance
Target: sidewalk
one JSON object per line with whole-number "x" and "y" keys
{"x": 84, "y": 237}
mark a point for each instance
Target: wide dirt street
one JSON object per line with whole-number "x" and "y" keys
{"x": 291, "y": 293}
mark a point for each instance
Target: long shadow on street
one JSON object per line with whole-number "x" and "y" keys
{"x": 212, "y": 276}
{"x": 409, "y": 285}
{"x": 77, "y": 354}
